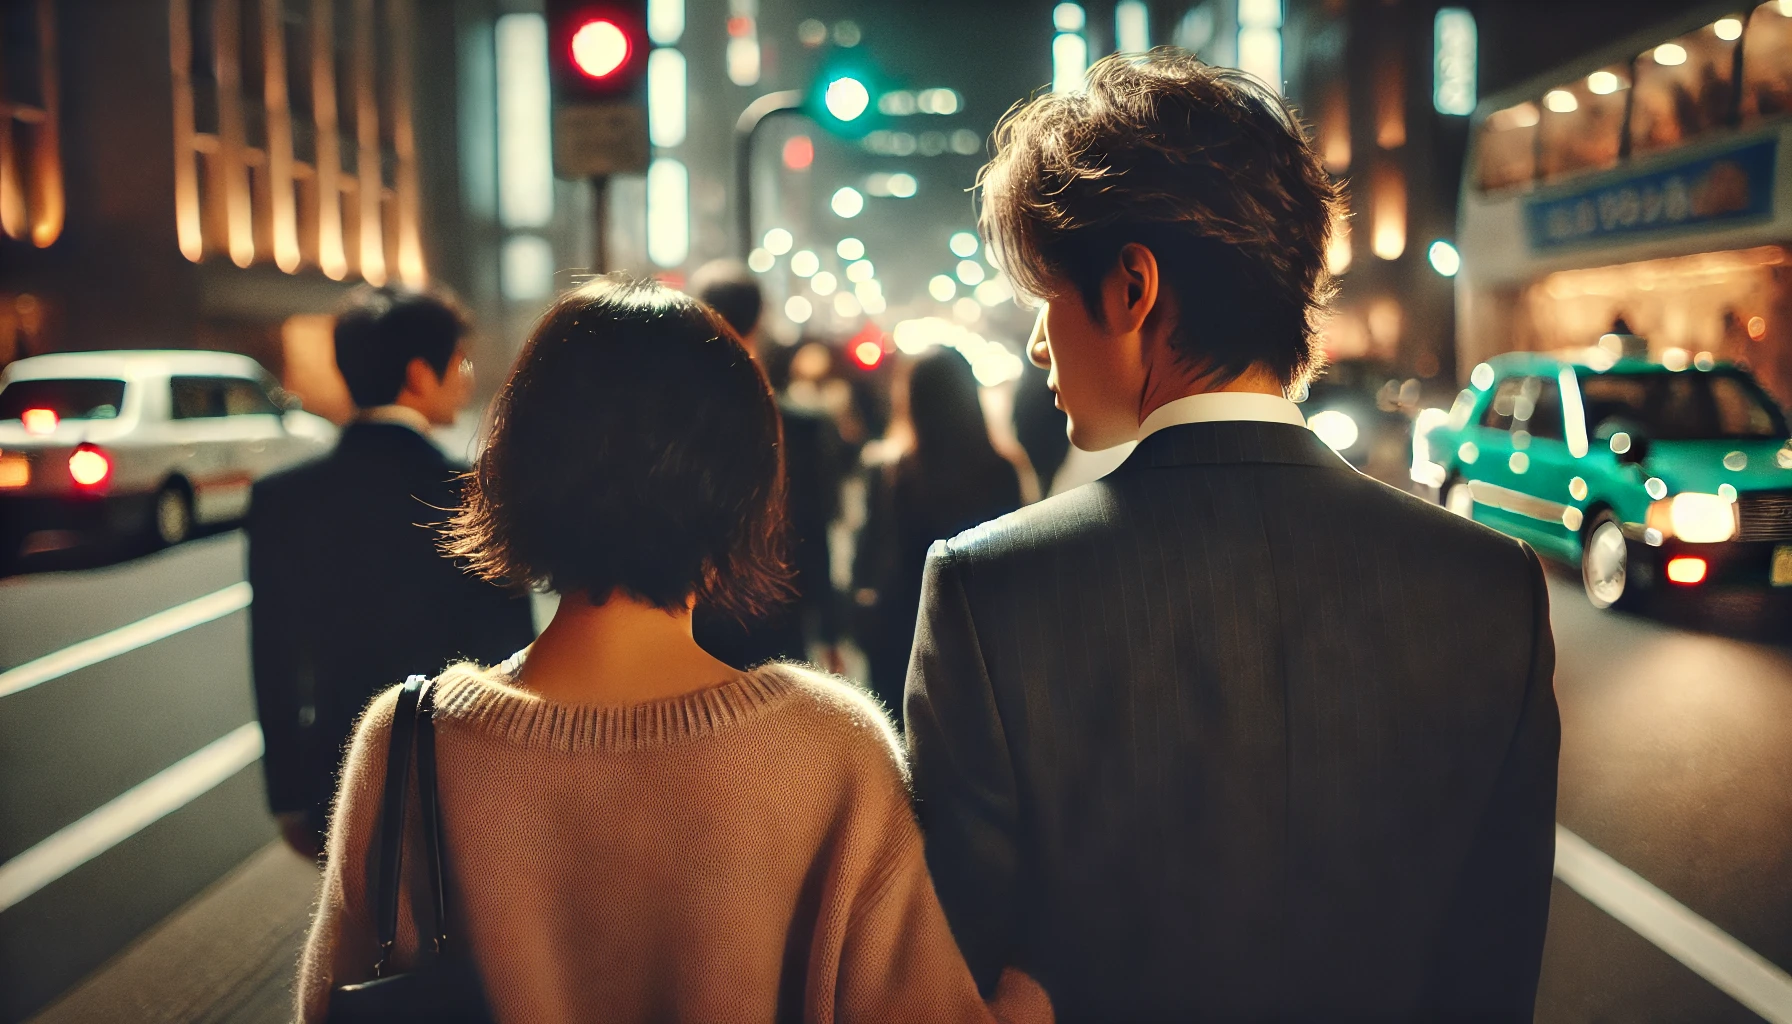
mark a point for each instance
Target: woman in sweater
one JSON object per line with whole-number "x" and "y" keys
{"x": 635, "y": 830}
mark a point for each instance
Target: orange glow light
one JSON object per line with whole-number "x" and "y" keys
{"x": 39, "y": 421}
{"x": 89, "y": 467}
{"x": 1757, "y": 328}
{"x": 1686, "y": 570}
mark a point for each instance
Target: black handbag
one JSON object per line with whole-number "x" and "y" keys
{"x": 444, "y": 986}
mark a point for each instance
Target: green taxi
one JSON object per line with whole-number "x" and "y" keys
{"x": 1645, "y": 476}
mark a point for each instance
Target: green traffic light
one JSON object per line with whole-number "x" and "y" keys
{"x": 846, "y": 98}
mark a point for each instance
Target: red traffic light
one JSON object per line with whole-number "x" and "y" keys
{"x": 599, "y": 48}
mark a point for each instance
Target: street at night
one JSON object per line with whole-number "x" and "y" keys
{"x": 963, "y": 510}
{"x": 1676, "y": 763}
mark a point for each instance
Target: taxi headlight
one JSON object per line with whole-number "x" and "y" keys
{"x": 1336, "y": 429}
{"x": 1694, "y": 517}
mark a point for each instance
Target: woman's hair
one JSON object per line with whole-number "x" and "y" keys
{"x": 1206, "y": 167}
{"x": 635, "y": 448}
{"x": 947, "y": 415}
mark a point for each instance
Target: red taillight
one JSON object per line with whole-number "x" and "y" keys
{"x": 1686, "y": 570}
{"x": 867, "y": 354}
{"x": 39, "y": 421}
{"x": 89, "y": 466}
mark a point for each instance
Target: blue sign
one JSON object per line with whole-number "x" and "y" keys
{"x": 1733, "y": 185}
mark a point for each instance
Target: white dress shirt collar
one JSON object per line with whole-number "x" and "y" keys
{"x": 401, "y": 415}
{"x": 1215, "y": 406}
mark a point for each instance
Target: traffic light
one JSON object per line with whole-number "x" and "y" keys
{"x": 842, "y": 98}
{"x": 597, "y": 60}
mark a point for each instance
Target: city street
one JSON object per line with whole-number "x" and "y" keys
{"x": 1676, "y": 764}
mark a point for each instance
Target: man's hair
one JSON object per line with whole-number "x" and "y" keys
{"x": 636, "y": 448}
{"x": 1207, "y": 168}
{"x": 731, "y": 290}
{"x": 380, "y": 330}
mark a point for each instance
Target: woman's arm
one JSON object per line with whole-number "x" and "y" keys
{"x": 342, "y": 947}
{"x": 898, "y": 960}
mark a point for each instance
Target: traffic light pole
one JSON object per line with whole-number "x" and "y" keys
{"x": 745, "y": 131}
{"x": 600, "y": 226}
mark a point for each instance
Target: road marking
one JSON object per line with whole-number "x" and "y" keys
{"x": 129, "y": 813}
{"x": 124, "y": 639}
{"x": 1739, "y": 971}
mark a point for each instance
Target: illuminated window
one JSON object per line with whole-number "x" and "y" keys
{"x": 31, "y": 196}
{"x": 1683, "y": 89}
{"x": 265, "y": 95}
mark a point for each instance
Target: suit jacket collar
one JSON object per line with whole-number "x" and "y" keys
{"x": 1233, "y": 442}
{"x": 389, "y": 440}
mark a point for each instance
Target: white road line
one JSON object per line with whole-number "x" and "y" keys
{"x": 141, "y": 633}
{"x": 1739, "y": 971}
{"x": 129, "y": 813}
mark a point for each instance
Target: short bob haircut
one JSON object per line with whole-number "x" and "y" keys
{"x": 1204, "y": 166}
{"x": 635, "y": 449}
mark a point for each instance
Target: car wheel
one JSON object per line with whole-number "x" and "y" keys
{"x": 173, "y": 514}
{"x": 1606, "y": 572}
{"x": 1459, "y": 499}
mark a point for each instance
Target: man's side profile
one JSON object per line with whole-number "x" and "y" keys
{"x": 1235, "y": 732}
{"x": 351, "y": 592}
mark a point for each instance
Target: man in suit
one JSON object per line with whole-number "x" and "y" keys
{"x": 351, "y": 592}
{"x": 1236, "y": 732}
{"x": 813, "y": 468}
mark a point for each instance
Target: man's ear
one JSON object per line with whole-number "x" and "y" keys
{"x": 1129, "y": 293}
{"x": 421, "y": 378}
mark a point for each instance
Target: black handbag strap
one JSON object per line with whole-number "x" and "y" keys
{"x": 413, "y": 725}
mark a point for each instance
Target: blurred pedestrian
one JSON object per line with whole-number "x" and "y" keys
{"x": 948, "y": 478}
{"x": 815, "y": 463}
{"x": 351, "y": 590}
{"x": 636, "y": 830}
{"x": 1235, "y": 732}
{"x": 1039, "y": 425}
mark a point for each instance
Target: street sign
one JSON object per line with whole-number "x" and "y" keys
{"x": 600, "y": 138}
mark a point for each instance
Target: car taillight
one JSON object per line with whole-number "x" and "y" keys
{"x": 39, "y": 421}
{"x": 1686, "y": 570}
{"x": 89, "y": 466}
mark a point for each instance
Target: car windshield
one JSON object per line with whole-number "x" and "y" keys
{"x": 1722, "y": 405}
{"x": 70, "y": 399}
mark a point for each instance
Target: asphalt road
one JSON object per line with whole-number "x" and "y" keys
{"x": 1676, "y": 762}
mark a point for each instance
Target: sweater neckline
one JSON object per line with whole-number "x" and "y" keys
{"x": 489, "y": 700}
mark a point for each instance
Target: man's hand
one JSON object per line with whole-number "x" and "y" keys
{"x": 296, "y": 828}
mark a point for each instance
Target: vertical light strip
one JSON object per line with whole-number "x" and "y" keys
{"x": 668, "y": 212}
{"x": 742, "y": 55}
{"x": 1070, "y": 62}
{"x": 1455, "y": 55}
{"x": 369, "y": 178}
{"x": 666, "y": 97}
{"x": 239, "y": 217}
{"x": 1132, "y": 26}
{"x": 665, "y": 21}
{"x": 332, "y": 254}
{"x": 1260, "y": 40}
{"x": 284, "y": 212}
{"x": 187, "y": 231}
{"x": 404, "y": 145}
{"x": 1387, "y": 238}
{"x": 47, "y": 202}
{"x": 525, "y": 167}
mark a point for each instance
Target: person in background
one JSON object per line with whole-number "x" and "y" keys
{"x": 948, "y": 479}
{"x": 1213, "y": 738}
{"x": 351, "y": 590}
{"x": 814, "y": 465}
{"x": 1039, "y": 425}
{"x": 637, "y": 830}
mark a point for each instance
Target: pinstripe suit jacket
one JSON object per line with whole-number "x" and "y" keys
{"x": 1238, "y": 732}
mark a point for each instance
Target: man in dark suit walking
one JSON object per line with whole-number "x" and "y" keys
{"x": 1236, "y": 732}
{"x": 351, "y": 592}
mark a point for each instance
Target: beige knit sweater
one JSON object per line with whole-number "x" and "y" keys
{"x": 744, "y": 853}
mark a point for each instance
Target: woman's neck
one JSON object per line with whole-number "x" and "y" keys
{"x": 620, "y": 651}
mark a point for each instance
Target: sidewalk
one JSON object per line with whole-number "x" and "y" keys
{"x": 227, "y": 957}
